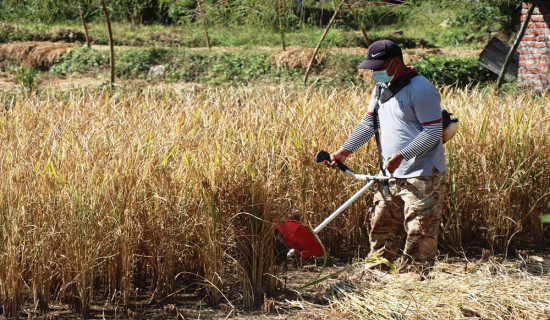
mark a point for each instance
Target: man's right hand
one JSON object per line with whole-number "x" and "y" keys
{"x": 340, "y": 155}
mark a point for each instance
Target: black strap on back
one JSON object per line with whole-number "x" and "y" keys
{"x": 376, "y": 133}
{"x": 383, "y": 96}
{"x": 396, "y": 86}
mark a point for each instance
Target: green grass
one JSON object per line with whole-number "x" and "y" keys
{"x": 414, "y": 34}
{"x": 461, "y": 23}
{"x": 201, "y": 66}
{"x": 192, "y": 36}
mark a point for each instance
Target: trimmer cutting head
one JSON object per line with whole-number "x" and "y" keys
{"x": 292, "y": 236}
{"x": 299, "y": 237}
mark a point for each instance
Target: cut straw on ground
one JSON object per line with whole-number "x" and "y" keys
{"x": 453, "y": 290}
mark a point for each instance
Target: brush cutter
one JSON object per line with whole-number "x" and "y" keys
{"x": 293, "y": 236}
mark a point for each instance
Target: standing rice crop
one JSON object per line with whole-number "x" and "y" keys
{"x": 150, "y": 191}
{"x": 498, "y": 168}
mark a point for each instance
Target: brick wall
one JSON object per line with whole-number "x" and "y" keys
{"x": 534, "y": 49}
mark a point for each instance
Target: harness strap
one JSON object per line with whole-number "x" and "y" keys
{"x": 396, "y": 86}
{"x": 376, "y": 133}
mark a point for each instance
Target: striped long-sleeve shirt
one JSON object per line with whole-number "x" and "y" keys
{"x": 430, "y": 135}
{"x": 411, "y": 124}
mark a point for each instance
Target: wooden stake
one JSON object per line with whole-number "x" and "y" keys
{"x": 203, "y": 17}
{"x": 281, "y": 24}
{"x": 84, "y": 23}
{"x": 111, "y": 43}
{"x": 514, "y": 47}
{"x": 321, "y": 40}
{"x": 302, "y": 13}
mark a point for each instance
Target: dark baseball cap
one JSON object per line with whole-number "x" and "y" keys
{"x": 378, "y": 52}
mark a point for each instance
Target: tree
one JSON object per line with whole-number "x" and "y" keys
{"x": 81, "y": 11}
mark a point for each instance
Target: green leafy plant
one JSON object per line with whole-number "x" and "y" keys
{"x": 136, "y": 63}
{"x": 25, "y": 77}
{"x": 457, "y": 70}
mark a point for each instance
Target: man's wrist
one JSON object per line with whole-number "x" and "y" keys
{"x": 345, "y": 152}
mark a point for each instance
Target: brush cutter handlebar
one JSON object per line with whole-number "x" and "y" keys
{"x": 325, "y": 156}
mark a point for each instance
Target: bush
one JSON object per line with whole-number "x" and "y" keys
{"x": 458, "y": 70}
{"x": 81, "y": 60}
{"x": 10, "y": 33}
{"x": 219, "y": 67}
{"x": 136, "y": 63}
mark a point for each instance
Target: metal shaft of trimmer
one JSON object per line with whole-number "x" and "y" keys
{"x": 338, "y": 211}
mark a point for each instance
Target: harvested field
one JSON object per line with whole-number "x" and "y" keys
{"x": 156, "y": 181}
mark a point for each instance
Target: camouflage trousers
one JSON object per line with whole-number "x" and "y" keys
{"x": 411, "y": 212}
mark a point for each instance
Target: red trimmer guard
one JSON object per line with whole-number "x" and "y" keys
{"x": 300, "y": 238}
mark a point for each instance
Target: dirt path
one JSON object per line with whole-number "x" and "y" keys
{"x": 352, "y": 50}
{"x": 8, "y": 82}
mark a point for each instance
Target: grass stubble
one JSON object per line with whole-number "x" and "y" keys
{"x": 113, "y": 195}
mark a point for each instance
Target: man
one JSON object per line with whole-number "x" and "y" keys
{"x": 408, "y": 207}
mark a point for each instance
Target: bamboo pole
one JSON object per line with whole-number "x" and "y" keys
{"x": 321, "y": 40}
{"x": 281, "y": 24}
{"x": 356, "y": 17}
{"x": 111, "y": 44}
{"x": 199, "y": 2}
{"x": 302, "y": 13}
{"x": 81, "y": 11}
{"x": 514, "y": 47}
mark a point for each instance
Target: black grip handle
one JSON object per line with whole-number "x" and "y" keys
{"x": 322, "y": 156}
{"x": 325, "y": 156}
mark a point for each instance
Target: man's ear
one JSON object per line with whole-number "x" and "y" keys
{"x": 399, "y": 61}
{"x": 394, "y": 66}
{"x": 398, "y": 65}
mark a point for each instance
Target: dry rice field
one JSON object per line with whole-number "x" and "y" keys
{"x": 133, "y": 199}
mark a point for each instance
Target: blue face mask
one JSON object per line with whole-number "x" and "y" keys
{"x": 382, "y": 76}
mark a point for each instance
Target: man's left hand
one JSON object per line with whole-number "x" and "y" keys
{"x": 394, "y": 162}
